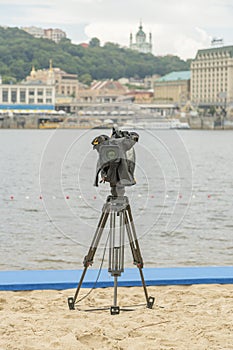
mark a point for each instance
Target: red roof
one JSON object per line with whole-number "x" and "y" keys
{"x": 85, "y": 45}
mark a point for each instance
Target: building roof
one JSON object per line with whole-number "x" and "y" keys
{"x": 173, "y": 76}
{"x": 228, "y": 49}
{"x": 107, "y": 84}
{"x": 85, "y": 45}
{"x": 140, "y": 32}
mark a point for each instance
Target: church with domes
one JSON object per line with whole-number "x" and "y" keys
{"x": 140, "y": 43}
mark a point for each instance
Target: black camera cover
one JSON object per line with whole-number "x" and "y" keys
{"x": 116, "y": 158}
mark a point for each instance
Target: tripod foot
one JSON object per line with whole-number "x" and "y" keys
{"x": 71, "y": 303}
{"x": 150, "y": 302}
{"x": 114, "y": 310}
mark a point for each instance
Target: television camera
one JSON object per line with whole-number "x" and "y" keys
{"x": 116, "y": 163}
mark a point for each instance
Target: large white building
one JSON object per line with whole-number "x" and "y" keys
{"x": 51, "y": 34}
{"x": 54, "y": 34}
{"x": 140, "y": 43}
{"x": 15, "y": 97}
{"x": 66, "y": 84}
{"x": 212, "y": 77}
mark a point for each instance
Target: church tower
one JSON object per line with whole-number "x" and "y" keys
{"x": 141, "y": 44}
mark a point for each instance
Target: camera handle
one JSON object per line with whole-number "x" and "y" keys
{"x": 115, "y": 207}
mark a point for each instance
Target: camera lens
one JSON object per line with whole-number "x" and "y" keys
{"x": 111, "y": 154}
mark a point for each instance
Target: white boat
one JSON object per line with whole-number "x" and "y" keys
{"x": 176, "y": 124}
{"x": 157, "y": 125}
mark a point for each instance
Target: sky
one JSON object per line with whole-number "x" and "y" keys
{"x": 178, "y": 27}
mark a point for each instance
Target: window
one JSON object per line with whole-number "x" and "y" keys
{"x": 31, "y": 100}
{"x": 13, "y": 95}
{"x": 40, "y": 92}
{"x": 48, "y": 92}
{"x": 5, "y": 95}
{"x": 31, "y": 92}
{"x": 48, "y": 100}
{"x": 40, "y": 100}
{"x": 22, "y": 95}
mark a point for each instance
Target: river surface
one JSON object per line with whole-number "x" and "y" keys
{"x": 182, "y": 203}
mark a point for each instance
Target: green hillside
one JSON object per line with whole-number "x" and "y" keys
{"x": 19, "y": 51}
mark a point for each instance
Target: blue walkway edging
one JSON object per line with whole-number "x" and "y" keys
{"x": 66, "y": 279}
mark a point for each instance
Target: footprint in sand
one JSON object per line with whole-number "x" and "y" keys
{"x": 24, "y": 305}
{"x": 99, "y": 341}
{"x": 2, "y": 302}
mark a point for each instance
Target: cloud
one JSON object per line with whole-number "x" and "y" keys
{"x": 186, "y": 46}
{"x": 182, "y": 41}
{"x": 179, "y": 27}
{"x": 27, "y": 2}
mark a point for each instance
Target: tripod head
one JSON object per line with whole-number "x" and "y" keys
{"x": 116, "y": 161}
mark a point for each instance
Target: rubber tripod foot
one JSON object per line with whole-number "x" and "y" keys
{"x": 71, "y": 303}
{"x": 150, "y": 302}
{"x": 114, "y": 310}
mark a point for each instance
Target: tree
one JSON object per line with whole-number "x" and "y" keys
{"x": 86, "y": 78}
{"x": 20, "y": 50}
{"x": 94, "y": 42}
{"x": 8, "y": 80}
{"x": 212, "y": 111}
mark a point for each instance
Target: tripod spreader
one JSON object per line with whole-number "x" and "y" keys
{"x": 118, "y": 208}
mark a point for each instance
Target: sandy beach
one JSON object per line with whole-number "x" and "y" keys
{"x": 184, "y": 317}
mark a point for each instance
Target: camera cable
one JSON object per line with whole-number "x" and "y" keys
{"x": 98, "y": 275}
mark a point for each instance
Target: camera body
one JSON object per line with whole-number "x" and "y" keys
{"x": 116, "y": 161}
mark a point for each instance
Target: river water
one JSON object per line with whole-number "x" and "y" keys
{"x": 181, "y": 204}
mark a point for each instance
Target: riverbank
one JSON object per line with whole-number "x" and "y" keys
{"x": 72, "y": 122}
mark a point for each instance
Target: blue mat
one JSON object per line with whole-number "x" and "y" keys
{"x": 65, "y": 279}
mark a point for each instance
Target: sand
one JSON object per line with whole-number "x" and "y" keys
{"x": 184, "y": 317}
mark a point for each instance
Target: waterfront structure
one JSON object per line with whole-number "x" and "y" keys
{"x": 106, "y": 91}
{"x": 54, "y": 34}
{"x": 173, "y": 87}
{"x": 149, "y": 81}
{"x": 141, "y": 43}
{"x": 140, "y": 96}
{"x": 101, "y": 94}
{"x": 212, "y": 78}
{"x": 66, "y": 84}
{"x": 27, "y": 98}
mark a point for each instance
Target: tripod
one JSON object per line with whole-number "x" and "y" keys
{"x": 117, "y": 207}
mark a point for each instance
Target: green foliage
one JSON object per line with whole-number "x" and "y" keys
{"x": 212, "y": 110}
{"x": 8, "y": 80}
{"x": 85, "y": 79}
{"x": 94, "y": 42}
{"x": 134, "y": 87}
{"x": 19, "y": 51}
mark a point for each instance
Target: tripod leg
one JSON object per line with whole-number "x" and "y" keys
{"x": 116, "y": 260}
{"x": 115, "y": 310}
{"x": 88, "y": 259}
{"x": 134, "y": 245}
